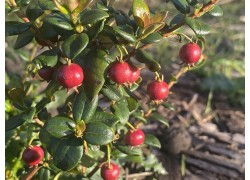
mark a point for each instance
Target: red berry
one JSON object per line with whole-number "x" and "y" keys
{"x": 135, "y": 74}
{"x": 111, "y": 173}
{"x": 120, "y": 72}
{"x": 157, "y": 90}
{"x": 190, "y": 53}
{"x": 46, "y": 73}
{"x": 135, "y": 137}
{"x": 33, "y": 155}
{"x": 70, "y": 76}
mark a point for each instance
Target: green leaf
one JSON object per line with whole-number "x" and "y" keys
{"x": 47, "y": 58}
{"x": 59, "y": 21}
{"x": 128, "y": 150}
{"x": 94, "y": 66}
{"x": 41, "y": 104}
{"x": 97, "y": 133}
{"x": 151, "y": 140}
{"x": 140, "y": 12}
{"x": 17, "y": 96}
{"x": 195, "y": 3}
{"x": 15, "y": 28}
{"x": 126, "y": 36}
{"x": 25, "y": 2}
{"x": 152, "y": 28}
{"x": 83, "y": 108}
{"x": 74, "y": 45}
{"x": 112, "y": 92}
{"x": 33, "y": 12}
{"x": 216, "y": 11}
{"x": 83, "y": 4}
{"x": 47, "y": 5}
{"x": 93, "y": 16}
{"x": 152, "y": 38}
{"x": 182, "y": 6}
{"x": 52, "y": 87}
{"x": 43, "y": 174}
{"x": 87, "y": 160}
{"x": 60, "y": 127}
{"x": 197, "y": 26}
{"x": 159, "y": 118}
{"x": 134, "y": 158}
{"x": 146, "y": 58}
{"x": 66, "y": 153}
{"x": 132, "y": 104}
{"x": 18, "y": 120}
{"x": 106, "y": 118}
{"x": 169, "y": 106}
{"x": 47, "y": 31}
{"x": 94, "y": 30}
{"x": 179, "y": 18}
{"x": 121, "y": 110}
{"x": 24, "y": 39}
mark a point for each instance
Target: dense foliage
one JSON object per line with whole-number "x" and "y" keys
{"x": 91, "y": 54}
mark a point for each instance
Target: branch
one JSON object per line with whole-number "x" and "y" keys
{"x": 31, "y": 173}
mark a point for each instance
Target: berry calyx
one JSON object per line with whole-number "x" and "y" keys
{"x": 70, "y": 75}
{"x": 190, "y": 53}
{"x": 33, "y": 155}
{"x": 135, "y": 74}
{"x": 135, "y": 137}
{"x": 157, "y": 90}
{"x": 46, "y": 73}
{"x": 110, "y": 173}
{"x": 120, "y": 72}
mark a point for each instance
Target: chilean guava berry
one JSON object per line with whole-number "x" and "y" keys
{"x": 190, "y": 53}
{"x": 120, "y": 72}
{"x": 110, "y": 173}
{"x": 33, "y": 155}
{"x": 134, "y": 137}
{"x": 157, "y": 90}
{"x": 70, "y": 76}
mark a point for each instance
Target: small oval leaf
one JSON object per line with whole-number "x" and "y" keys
{"x": 47, "y": 58}
{"x": 182, "y": 6}
{"x": 216, "y": 11}
{"x": 121, "y": 110}
{"x": 97, "y": 133}
{"x": 140, "y": 12}
{"x": 59, "y": 20}
{"x": 197, "y": 26}
{"x": 152, "y": 38}
{"x": 112, "y": 92}
{"x": 106, "y": 118}
{"x": 24, "y": 39}
{"x": 93, "y": 16}
{"x": 15, "y": 28}
{"x": 151, "y": 140}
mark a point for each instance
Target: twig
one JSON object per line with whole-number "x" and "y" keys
{"x": 177, "y": 76}
{"x": 143, "y": 174}
{"x": 38, "y": 121}
{"x": 31, "y": 173}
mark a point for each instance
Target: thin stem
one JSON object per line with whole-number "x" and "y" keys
{"x": 121, "y": 54}
{"x": 109, "y": 152}
{"x": 124, "y": 48}
{"x": 188, "y": 38}
{"x": 177, "y": 76}
{"x": 130, "y": 125}
{"x": 32, "y": 172}
{"x": 33, "y": 137}
{"x": 57, "y": 175}
{"x": 38, "y": 121}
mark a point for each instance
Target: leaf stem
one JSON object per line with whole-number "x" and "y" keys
{"x": 121, "y": 54}
{"x": 108, "y": 155}
{"x": 57, "y": 175}
{"x": 32, "y": 138}
{"x": 130, "y": 125}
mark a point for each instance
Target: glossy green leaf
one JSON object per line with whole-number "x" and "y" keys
{"x": 47, "y": 5}
{"x": 168, "y": 106}
{"x": 132, "y": 104}
{"x": 52, "y": 87}
{"x": 93, "y": 16}
{"x": 121, "y": 110}
{"x": 160, "y": 118}
{"x": 94, "y": 30}
{"x": 66, "y": 153}
{"x": 197, "y": 26}
{"x": 182, "y": 6}
{"x": 33, "y": 12}
{"x": 152, "y": 28}
{"x": 146, "y": 58}
{"x": 101, "y": 6}
{"x": 87, "y": 160}
{"x": 47, "y": 31}
{"x": 97, "y": 133}
{"x": 106, "y": 118}
{"x": 94, "y": 66}
{"x": 112, "y": 92}
{"x": 59, "y": 20}
{"x": 25, "y": 2}
{"x": 83, "y": 4}
{"x": 74, "y": 45}
{"x": 126, "y": 36}
{"x": 128, "y": 150}
{"x": 15, "y": 28}
{"x": 140, "y": 117}
{"x": 152, "y": 38}
{"x": 179, "y": 18}
{"x": 158, "y": 17}
{"x": 83, "y": 108}
{"x": 47, "y": 58}
{"x": 151, "y": 140}
{"x": 216, "y": 11}
{"x": 134, "y": 158}
{"x": 43, "y": 174}
{"x": 60, "y": 127}
{"x": 18, "y": 120}
{"x": 195, "y": 3}
{"x": 24, "y": 39}
{"x": 41, "y": 104}
{"x": 140, "y": 12}
{"x": 17, "y": 95}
